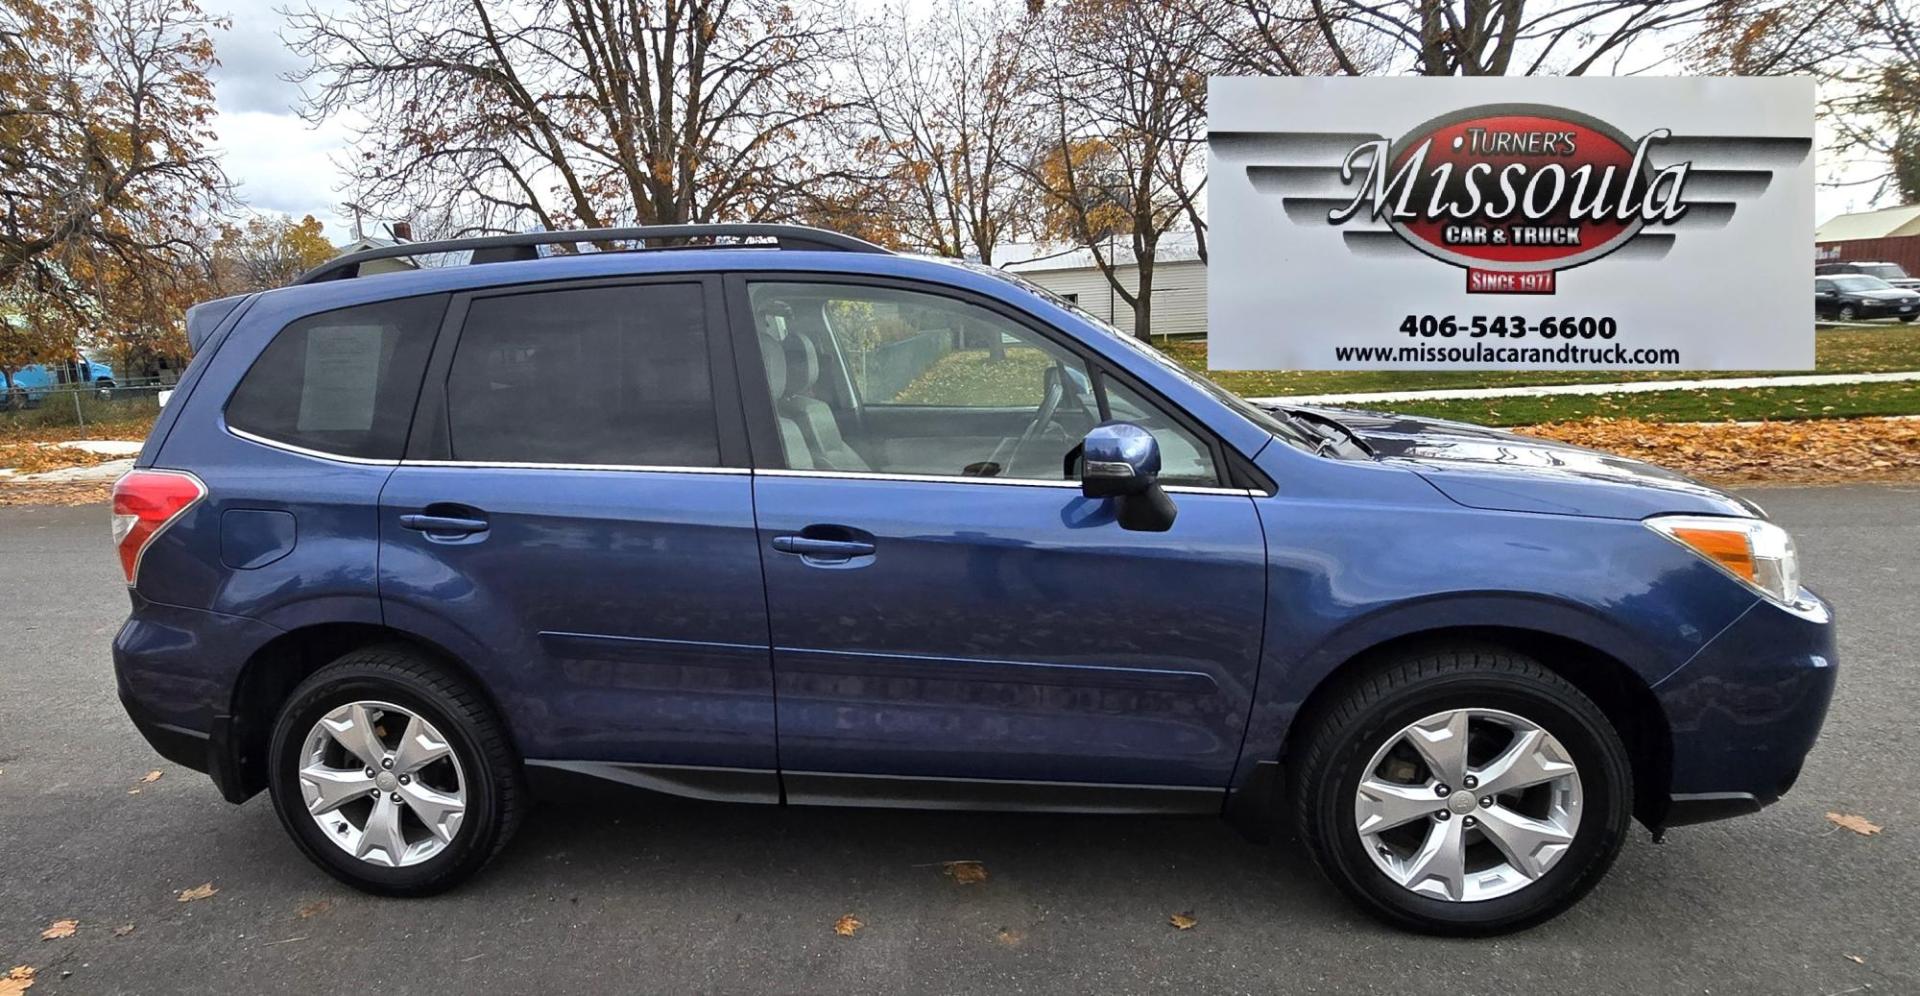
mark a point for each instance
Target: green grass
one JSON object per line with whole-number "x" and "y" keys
{"x": 96, "y": 418}
{"x": 1773, "y": 403}
{"x": 972, "y": 377}
{"x": 1892, "y": 347}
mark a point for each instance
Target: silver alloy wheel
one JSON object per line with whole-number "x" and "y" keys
{"x": 1468, "y": 804}
{"x": 383, "y": 784}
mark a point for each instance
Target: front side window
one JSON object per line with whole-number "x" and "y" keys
{"x": 880, "y": 380}
{"x": 343, "y": 382}
{"x": 1184, "y": 457}
{"x": 598, "y": 375}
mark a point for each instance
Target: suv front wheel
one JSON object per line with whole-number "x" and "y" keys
{"x": 392, "y": 775}
{"x": 1465, "y": 791}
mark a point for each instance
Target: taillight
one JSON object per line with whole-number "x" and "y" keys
{"x": 145, "y": 503}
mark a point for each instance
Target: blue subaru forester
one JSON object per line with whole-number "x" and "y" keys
{"x": 768, "y": 514}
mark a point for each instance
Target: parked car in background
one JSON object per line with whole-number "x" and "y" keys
{"x": 1853, "y": 296}
{"x": 809, "y": 522}
{"x": 29, "y": 385}
{"x": 1892, "y": 273}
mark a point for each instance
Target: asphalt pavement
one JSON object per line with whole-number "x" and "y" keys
{"x": 637, "y": 894}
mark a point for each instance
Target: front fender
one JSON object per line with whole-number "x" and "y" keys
{"x": 1343, "y": 579}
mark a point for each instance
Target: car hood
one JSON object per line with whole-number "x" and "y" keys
{"x": 1494, "y": 469}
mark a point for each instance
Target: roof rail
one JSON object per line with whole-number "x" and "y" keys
{"x": 502, "y": 248}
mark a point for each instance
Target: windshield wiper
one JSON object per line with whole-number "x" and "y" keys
{"x": 1323, "y": 423}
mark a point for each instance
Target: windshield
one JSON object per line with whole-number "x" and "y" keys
{"x": 1264, "y": 418}
{"x": 1860, "y": 283}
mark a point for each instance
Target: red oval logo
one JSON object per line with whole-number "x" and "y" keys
{"x": 1514, "y": 187}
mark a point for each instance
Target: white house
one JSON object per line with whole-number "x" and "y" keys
{"x": 1179, "y": 281}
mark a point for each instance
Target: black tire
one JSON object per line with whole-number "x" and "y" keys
{"x": 402, "y": 676}
{"x": 1847, "y": 313}
{"x": 1365, "y": 713}
{"x": 1908, "y": 319}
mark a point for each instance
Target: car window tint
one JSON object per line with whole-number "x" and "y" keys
{"x": 880, "y": 380}
{"x": 341, "y": 382}
{"x": 600, "y": 375}
{"x": 1184, "y": 457}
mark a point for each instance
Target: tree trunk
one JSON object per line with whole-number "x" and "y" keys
{"x": 1143, "y": 300}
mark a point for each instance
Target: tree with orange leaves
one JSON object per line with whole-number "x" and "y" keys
{"x": 107, "y": 173}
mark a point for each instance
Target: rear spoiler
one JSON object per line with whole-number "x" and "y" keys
{"x": 205, "y": 317}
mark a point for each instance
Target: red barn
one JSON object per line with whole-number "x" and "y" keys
{"x": 1889, "y": 235}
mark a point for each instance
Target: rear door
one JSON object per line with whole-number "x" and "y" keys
{"x": 575, "y": 513}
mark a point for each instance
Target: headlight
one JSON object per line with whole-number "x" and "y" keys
{"x": 1757, "y": 552}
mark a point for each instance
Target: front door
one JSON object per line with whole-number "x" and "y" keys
{"x": 950, "y": 618}
{"x": 575, "y": 515}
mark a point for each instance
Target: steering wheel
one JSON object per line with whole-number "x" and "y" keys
{"x": 1054, "y": 392}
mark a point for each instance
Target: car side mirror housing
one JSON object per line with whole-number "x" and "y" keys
{"x": 1121, "y": 461}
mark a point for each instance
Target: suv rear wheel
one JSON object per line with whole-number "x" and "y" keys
{"x": 1463, "y": 792}
{"x": 392, "y": 775}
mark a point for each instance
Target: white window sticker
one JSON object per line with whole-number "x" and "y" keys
{"x": 342, "y": 373}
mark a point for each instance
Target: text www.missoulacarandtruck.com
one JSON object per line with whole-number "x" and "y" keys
{"x": 1532, "y": 357}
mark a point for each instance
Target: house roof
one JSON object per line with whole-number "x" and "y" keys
{"x": 1884, "y": 223}
{"x": 1031, "y": 257}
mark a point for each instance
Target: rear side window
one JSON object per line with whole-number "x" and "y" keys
{"x": 598, "y": 375}
{"x": 342, "y": 382}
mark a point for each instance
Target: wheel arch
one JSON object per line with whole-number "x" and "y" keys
{"x": 271, "y": 673}
{"x": 1622, "y": 694}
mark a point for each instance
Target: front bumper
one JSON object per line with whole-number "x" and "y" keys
{"x": 1746, "y": 709}
{"x": 1881, "y": 309}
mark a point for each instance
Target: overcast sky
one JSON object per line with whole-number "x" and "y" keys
{"x": 282, "y": 164}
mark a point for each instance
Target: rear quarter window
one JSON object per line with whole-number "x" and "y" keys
{"x": 341, "y": 382}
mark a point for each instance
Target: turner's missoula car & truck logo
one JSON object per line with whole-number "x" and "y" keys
{"x": 1513, "y": 192}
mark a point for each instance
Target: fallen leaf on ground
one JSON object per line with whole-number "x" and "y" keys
{"x": 1813, "y": 452}
{"x": 151, "y": 776}
{"x": 966, "y": 872}
{"x": 1856, "y": 959}
{"x": 59, "y": 929}
{"x": 123, "y": 930}
{"x": 1858, "y": 824}
{"x": 133, "y": 791}
{"x": 19, "y": 979}
{"x": 846, "y": 925}
{"x": 1183, "y": 921}
{"x": 315, "y": 908}
{"x": 197, "y": 892}
{"x": 1010, "y": 937}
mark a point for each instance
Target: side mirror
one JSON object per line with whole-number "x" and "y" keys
{"x": 1121, "y": 461}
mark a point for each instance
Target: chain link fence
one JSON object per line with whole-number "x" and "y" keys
{"x": 119, "y": 411}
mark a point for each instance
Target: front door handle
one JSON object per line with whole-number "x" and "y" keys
{"x": 444, "y": 524}
{"x": 823, "y": 549}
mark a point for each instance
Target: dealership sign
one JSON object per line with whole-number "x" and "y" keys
{"x": 1518, "y": 223}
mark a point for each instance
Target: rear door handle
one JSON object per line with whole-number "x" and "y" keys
{"x": 824, "y": 549}
{"x": 443, "y": 524}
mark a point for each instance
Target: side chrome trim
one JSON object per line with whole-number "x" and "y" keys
{"x": 1177, "y": 489}
{"x": 303, "y": 451}
{"x": 618, "y": 467}
{"x": 1191, "y": 489}
{"x": 855, "y": 475}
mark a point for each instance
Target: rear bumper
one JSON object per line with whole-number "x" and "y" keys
{"x": 187, "y": 748}
{"x": 1745, "y": 711}
{"x": 175, "y": 670}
